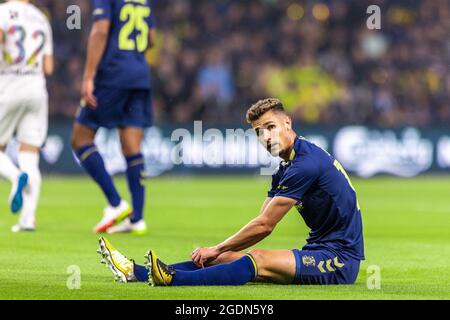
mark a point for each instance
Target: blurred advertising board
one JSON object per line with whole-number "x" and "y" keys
{"x": 363, "y": 151}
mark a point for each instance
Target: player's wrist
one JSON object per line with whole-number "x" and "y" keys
{"x": 218, "y": 249}
{"x": 88, "y": 76}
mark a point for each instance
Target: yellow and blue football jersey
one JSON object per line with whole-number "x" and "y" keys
{"x": 325, "y": 198}
{"x": 123, "y": 64}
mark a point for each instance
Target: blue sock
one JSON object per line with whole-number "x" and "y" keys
{"x": 135, "y": 168}
{"x": 93, "y": 163}
{"x": 235, "y": 273}
{"x": 141, "y": 273}
{"x": 185, "y": 266}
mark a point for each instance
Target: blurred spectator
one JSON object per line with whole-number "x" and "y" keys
{"x": 215, "y": 79}
{"x": 214, "y": 58}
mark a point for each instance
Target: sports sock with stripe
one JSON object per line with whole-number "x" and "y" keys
{"x": 135, "y": 170}
{"x": 92, "y": 162}
{"x": 185, "y": 266}
{"x": 235, "y": 273}
{"x": 141, "y": 272}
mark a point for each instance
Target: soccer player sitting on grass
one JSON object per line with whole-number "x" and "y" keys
{"x": 308, "y": 178}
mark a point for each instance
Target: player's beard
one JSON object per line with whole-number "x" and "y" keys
{"x": 274, "y": 149}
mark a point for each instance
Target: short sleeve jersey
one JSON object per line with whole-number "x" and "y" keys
{"x": 123, "y": 64}
{"x": 325, "y": 198}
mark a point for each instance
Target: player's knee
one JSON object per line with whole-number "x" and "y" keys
{"x": 76, "y": 144}
{"x": 259, "y": 257}
{"x": 130, "y": 150}
{"x": 130, "y": 146}
{"x": 79, "y": 140}
{"x": 74, "y": 141}
{"x": 29, "y": 148}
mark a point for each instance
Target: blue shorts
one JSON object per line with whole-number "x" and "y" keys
{"x": 118, "y": 108}
{"x": 324, "y": 267}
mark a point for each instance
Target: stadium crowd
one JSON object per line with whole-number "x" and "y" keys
{"x": 213, "y": 58}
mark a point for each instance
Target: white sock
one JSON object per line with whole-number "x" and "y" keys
{"x": 29, "y": 163}
{"x": 7, "y": 168}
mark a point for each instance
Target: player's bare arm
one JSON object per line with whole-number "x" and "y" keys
{"x": 98, "y": 39}
{"x": 231, "y": 256}
{"x": 49, "y": 65}
{"x": 151, "y": 38}
{"x": 264, "y": 205}
{"x": 252, "y": 233}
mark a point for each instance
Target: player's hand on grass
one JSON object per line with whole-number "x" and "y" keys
{"x": 87, "y": 93}
{"x": 202, "y": 256}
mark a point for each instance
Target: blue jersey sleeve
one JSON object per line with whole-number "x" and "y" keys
{"x": 151, "y": 19}
{"x": 298, "y": 180}
{"x": 102, "y": 9}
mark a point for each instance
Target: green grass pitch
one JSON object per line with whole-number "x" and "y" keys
{"x": 406, "y": 229}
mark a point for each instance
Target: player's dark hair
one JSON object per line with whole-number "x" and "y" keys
{"x": 263, "y": 106}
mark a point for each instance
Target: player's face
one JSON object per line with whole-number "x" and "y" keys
{"x": 274, "y": 130}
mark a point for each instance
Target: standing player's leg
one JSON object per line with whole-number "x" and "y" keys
{"x": 10, "y": 115}
{"x": 28, "y": 159}
{"x": 136, "y": 115}
{"x": 8, "y": 169}
{"x": 18, "y": 179}
{"x": 131, "y": 139}
{"x": 31, "y": 132}
{"x": 91, "y": 160}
